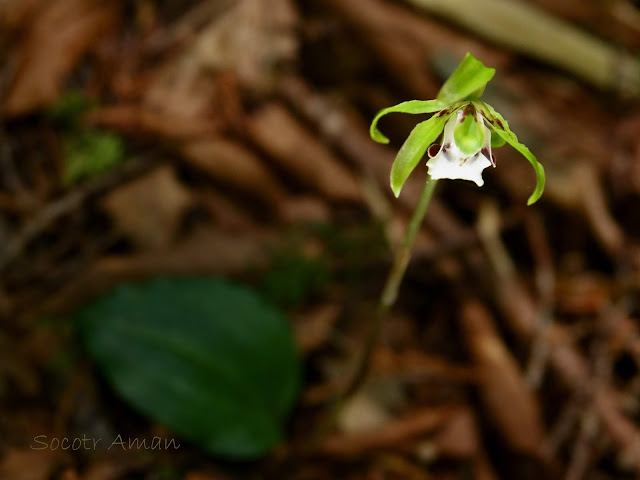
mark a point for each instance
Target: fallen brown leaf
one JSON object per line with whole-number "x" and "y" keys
{"x": 233, "y": 164}
{"x": 458, "y": 437}
{"x": 305, "y": 209}
{"x": 205, "y": 251}
{"x": 225, "y": 214}
{"x": 251, "y": 38}
{"x": 146, "y": 121}
{"x": 62, "y": 32}
{"x": 148, "y": 210}
{"x": 416, "y": 364}
{"x": 180, "y": 89}
{"x": 302, "y": 154}
{"x": 392, "y": 434}
{"x": 15, "y": 14}
{"x": 507, "y": 396}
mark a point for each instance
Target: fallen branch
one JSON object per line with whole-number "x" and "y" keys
{"x": 527, "y": 29}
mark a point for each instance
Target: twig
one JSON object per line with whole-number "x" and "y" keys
{"x": 527, "y": 29}
{"x": 65, "y": 205}
{"x": 582, "y": 453}
{"x": 572, "y": 368}
{"x": 545, "y": 280}
{"x": 597, "y": 213}
{"x": 10, "y": 177}
{"x": 582, "y": 450}
{"x": 562, "y": 428}
{"x": 388, "y": 435}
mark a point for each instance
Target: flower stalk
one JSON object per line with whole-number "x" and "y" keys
{"x": 391, "y": 287}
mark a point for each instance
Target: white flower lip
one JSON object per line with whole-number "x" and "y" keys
{"x": 447, "y": 161}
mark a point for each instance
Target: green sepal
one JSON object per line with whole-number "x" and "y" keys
{"x": 414, "y": 148}
{"x": 467, "y": 82}
{"x": 411, "y": 106}
{"x": 478, "y": 93}
{"x": 500, "y": 126}
{"x": 496, "y": 140}
{"x": 469, "y": 135}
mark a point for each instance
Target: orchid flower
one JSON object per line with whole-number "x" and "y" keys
{"x": 459, "y": 138}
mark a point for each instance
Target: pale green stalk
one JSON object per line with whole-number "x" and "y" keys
{"x": 392, "y": 285}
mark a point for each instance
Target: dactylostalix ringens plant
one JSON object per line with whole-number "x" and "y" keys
{"x": 459, "y": 138}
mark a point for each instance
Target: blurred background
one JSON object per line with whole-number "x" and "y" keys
{"x": 229, "y": 138}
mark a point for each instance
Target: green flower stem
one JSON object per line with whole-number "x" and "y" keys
{"x": 392, "y": 285}
{"x": 387, "y": 299}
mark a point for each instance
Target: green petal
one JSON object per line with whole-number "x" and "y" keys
{"x": 413, "y": 149}
{"x": 412, "y": 106}
{"x": 467, "y": 82}
{"x": 469, "y": 135}
{"x": 500, "y": 126}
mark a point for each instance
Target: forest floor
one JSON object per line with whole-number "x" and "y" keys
{"x": 156, "y": 137}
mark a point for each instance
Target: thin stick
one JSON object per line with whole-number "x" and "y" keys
{"x": 53, "y": 211}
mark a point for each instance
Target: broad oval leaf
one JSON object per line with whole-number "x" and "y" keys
{"x": 411, "y": 106}
{"x": 414, "y": 148}
{"x": 208, "y": 359}
{"x": 467, "y": 82}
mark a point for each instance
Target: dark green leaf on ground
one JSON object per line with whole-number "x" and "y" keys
{"x": 208, "y": 359}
